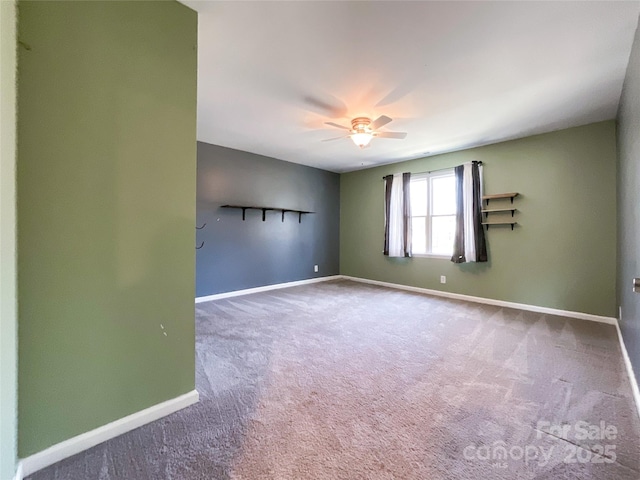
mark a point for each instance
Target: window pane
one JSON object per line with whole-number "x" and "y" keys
{"x": 419, "y": 197}
{"x": 444, "y": 195}
{"x": 443, "y": 230}
{"x": 419, "y": 234}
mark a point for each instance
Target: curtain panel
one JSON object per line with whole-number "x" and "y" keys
{"x": 469, "y": 242}
{"x": 397, "y": 215}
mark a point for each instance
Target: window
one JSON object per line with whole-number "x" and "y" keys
{"x": 433, "y": 212}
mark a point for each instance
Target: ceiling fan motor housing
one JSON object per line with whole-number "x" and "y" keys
{"x": 361, "y": 124}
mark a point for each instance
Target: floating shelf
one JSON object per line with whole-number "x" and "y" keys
{"x": 500, "y": 195}
{"x": 488, "y": 224}
{"x": 499, "y": 210}
{"x": 265, "y": 209}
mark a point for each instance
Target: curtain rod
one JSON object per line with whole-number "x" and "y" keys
{"x": 440, "y": 169}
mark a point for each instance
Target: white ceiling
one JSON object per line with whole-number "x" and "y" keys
{"x": 451, "y": 74}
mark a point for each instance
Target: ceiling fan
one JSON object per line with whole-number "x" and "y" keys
{"x": 363, "y": 130}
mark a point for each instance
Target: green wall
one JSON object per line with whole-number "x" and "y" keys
{"x": 561, "y": 255}
{"x": 628, "y": 205}
{"x": 106, "y": 212}
{"x": 8, "y": 301}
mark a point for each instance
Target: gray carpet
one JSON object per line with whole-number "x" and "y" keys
{"x": 340, "y": 380}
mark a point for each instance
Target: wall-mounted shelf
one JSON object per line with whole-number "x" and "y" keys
{"x": 502, "y": 208}
{"x": 499, "y": 210}
{"x": 266, "y": 209}
{"x": 496, "y": 196}
{"x": 488, "y": 224}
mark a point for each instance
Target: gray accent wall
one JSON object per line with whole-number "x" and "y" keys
{"x": 629, "y": 205}
{"x": 241, "y": 254}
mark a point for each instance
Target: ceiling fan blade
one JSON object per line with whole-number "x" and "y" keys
{"x": 327, "y": 105}
{"x": 398, "y": 135}
{"x": 336, "y": 125}
{"x": 381, "y": 121}
{"x": 335, "y": 138}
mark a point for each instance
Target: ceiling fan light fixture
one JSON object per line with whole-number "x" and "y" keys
{"x": 363, "y": 130}
{"x": 361, "y": 139}
{"x": 362, "y": 133}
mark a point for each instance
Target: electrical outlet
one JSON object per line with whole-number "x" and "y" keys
{"x": 315, "y": 268}
{"x": 443, "y": 279}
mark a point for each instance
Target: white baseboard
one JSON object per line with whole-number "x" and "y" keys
{"x": 265, "y": 288}
{"x": 92, "y": 438}
{"x": 489, "y": 301}
{"x": 630, "y": 373}
{"x": 19, "y": 474}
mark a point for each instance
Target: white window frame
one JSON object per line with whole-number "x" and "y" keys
{"x": 429, "y": 176}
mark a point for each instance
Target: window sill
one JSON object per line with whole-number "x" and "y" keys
{"x": 432, "y": 255}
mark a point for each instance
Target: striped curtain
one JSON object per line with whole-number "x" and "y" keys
{"x": 469, "y": 243}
